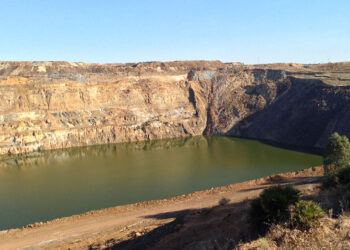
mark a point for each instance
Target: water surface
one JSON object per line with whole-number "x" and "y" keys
{"x": 47, "y": 185}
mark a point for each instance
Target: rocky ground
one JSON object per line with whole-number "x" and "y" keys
{"x": 209, "y": 219}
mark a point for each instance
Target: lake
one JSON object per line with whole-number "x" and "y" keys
{"x": 46, "y": 185}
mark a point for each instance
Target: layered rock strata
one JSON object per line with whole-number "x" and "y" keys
{"x": 49, "y": 105}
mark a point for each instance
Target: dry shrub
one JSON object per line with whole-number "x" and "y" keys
{"x": 336, "y": 200}
{"x": 330, "y": 234}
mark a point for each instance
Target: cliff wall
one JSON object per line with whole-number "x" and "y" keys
{"x": 48, "y": 105}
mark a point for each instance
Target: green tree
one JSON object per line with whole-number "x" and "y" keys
{"x": 337, "y": 153}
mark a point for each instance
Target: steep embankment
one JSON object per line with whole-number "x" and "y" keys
{"x": 46, "y": 105}
{"x": 277, "y": 106}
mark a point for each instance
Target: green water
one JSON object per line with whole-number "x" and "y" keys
{"x": 52, "y": 184}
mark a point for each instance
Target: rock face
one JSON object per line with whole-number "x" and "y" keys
{"x": 48, "y": 105}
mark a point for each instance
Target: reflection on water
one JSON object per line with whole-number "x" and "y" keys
{"x": 51, "y": 184}
{"x": 79, "y": 153}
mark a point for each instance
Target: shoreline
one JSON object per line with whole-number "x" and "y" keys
{"x": 126, "y": 215}
{"x": 132, "y": 206}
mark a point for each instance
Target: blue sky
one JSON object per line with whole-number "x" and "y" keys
{"x": 105, "y": 31}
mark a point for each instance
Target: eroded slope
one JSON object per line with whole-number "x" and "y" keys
{"x": 46, "y": 105}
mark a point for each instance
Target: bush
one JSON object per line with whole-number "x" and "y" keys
{"x": 344, "y": 175}
{"x": 272, "y": 206}
{"x": 258, "y": 216}
{"x": 332, "y": 180}
{"x": 329, "y": 181}
{"x": 337, "y": 153}
{"x": 306, "y": 215}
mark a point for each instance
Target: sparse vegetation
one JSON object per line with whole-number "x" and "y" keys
{"x": 343, "y": 176}
{"x": 306, "y": 215}
{"x": 331, "y": 234}
{"x": 272, "y": 206}
{"x": 329, "y": 181}
{"x": 309, "y": 227}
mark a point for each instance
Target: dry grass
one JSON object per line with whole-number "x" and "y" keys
{"x": 331, "y": 234}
